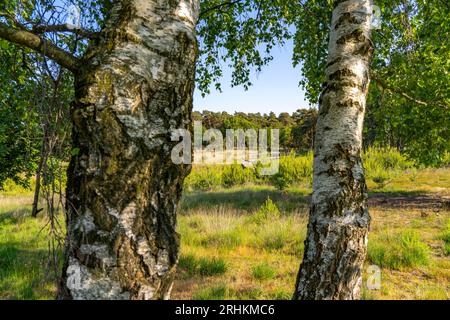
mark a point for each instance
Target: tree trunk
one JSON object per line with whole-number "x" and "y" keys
{"x": 336, "y": 244}
{"x": 37, "y": 190}
{"x": 135, "y": 87}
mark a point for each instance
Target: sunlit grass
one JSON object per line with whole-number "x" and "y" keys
{"x": 23, "y": 254}
{"x": 445, "y": 236}
{"x": 263, "y": 271}
{"x": 398, "y": 250}
{"x": 228, "y": 254}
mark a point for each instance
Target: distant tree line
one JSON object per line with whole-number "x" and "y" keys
{"x": 382, "y": 129}
{"x": 296, "y": 130}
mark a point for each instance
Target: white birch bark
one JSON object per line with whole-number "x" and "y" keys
{"x": 134, "y": 88}
{"x": 339, "y": 220}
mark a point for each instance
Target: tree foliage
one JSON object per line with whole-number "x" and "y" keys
{"x": 239, "y": 35}
{"x": 408, "y": 100}
{"x": 296, "y": 130}
{"x": 408, "y": 104}
{"x": 19, "y": 122}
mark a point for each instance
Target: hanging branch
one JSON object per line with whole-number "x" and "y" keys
{"x": 387, "y": 87}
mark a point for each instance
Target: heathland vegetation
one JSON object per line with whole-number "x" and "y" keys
{"x": 242, "y": 234}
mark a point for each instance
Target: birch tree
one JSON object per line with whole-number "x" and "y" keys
{"x": 133, "y": 88}
{"x": 339, "y": 220}
{"x": 408, "y": 53}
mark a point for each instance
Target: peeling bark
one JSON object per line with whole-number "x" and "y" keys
{"x": 135, "y": 87}
{"x": 336, "y": 243}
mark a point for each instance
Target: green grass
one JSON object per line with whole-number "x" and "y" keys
{"x": 447, "y": 248}
{"x": 188, "y": 263}
{"x": 284, "y": 234}
{"x": 281, "y": 295}
{"x": 225, "y": 254}
{"x": 23, "y": 254}
{"x": 398, "y": 250}
{"x": 445, "y": 236}
{"x": 212, "y": 267}
{"x": 224, "y": 292}
{"x": 220, "y": 292}
{"x": 204, "y": 266}
{"x": 228, "y": 232}
{"x": 248, "y": 198}
{"x": 263, "y": 271}
{"x": 228, "y": 239}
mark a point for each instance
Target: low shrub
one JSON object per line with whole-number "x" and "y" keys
{"x": 293, "y": 169}
{"x": 384, "y": 164}
{"x": 381, "y": 177}
{"x": 381, "y": 164}
{"x": 235, "y": 174}
{"x": 267, "y": 211}
{"x": 386, "y": 158}
{"x": 204, "y": 178}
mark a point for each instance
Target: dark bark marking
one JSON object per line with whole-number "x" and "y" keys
{"x": 346, "y": 18}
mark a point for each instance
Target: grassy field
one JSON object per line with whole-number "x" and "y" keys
{"x": 246, "y": 241}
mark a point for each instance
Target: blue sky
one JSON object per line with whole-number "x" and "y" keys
{"x": 275, "y": 89}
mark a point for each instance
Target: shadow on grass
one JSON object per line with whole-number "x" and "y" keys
{"x": 293, "y": 200}
{"x": 248, "y": 199}
{"x": 24, "y": 275}
{"x": 396, "y": 193}
{"x": 408, "y": 200}
{"x": 13, "y": 216}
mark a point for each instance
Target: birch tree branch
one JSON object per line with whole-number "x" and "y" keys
{"x": 35, "y": 42}
{"x": 64, "y": 28}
